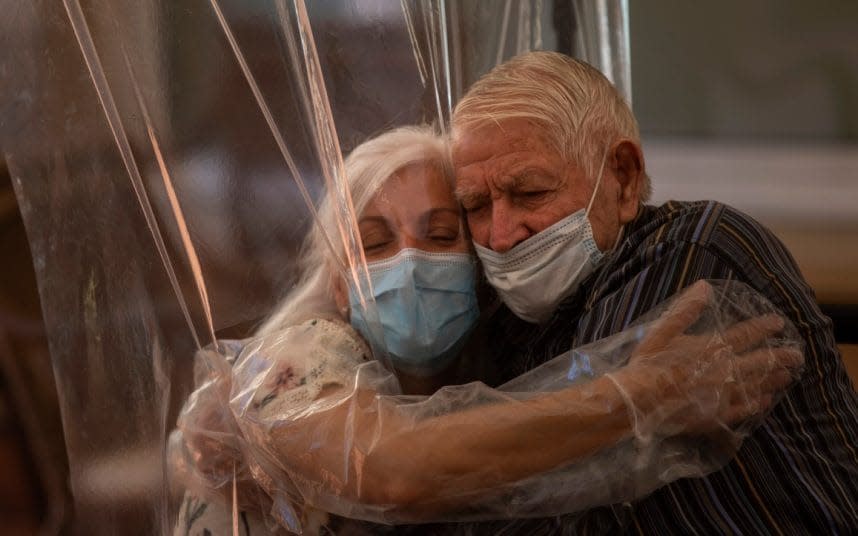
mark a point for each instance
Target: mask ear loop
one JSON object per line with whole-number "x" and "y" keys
{"x": 593, "y": 198}
{"x": 598, "y": 182}
{"x": 590, "y": 205}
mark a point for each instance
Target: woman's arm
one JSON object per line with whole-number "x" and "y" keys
{"x": 482, "y": 447}
{"x": 363, "y": 454}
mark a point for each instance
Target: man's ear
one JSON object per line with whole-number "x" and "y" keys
{"x": 629, "y": 171}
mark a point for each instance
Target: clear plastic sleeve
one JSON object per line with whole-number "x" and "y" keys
{"x": 670, "y": 397}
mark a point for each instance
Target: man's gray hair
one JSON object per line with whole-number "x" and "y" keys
{"x": 581, "y": 111}
{"x": 367, "y": 169}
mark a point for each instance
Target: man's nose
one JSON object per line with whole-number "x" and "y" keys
{"x": 507, "y": 229}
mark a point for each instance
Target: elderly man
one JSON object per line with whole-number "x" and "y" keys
{"x": 551, "y": 175}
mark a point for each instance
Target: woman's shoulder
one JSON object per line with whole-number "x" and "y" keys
{"x": 336, "y": 336}
{"x": 294, "y": 365}
{"x": 311, "y": 340}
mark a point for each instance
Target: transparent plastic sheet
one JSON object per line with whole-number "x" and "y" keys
{"x": 168, "y": 158}
{"x": 603, "y": 40}
{"x": 694, "y": 376}
{"x": 454, "y": 43}
{"x": 118, "y": 166}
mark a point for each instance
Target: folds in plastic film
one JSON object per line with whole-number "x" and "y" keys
{"x": 170, "y": 157}
{"x": 330, "y": 439}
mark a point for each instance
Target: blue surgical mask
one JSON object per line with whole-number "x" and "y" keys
{"x": 426, "y": 304}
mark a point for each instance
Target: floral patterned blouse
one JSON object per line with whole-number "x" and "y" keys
{"x": 282, "y": 372}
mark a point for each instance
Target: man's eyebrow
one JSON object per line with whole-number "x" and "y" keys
{"x": 520, "y": 176}
{"x": 469, "y": 195}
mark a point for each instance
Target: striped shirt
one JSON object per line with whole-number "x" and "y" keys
{"x": 798, "y": 473}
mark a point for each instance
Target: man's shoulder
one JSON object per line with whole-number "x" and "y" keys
{"x": 709, "y": 227}
{"x": 670, "y": 246}
{"x": 703, "y": 223}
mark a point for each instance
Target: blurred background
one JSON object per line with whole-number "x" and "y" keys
{"x": 753, "y": 104}
{"x": 756, "y": 105}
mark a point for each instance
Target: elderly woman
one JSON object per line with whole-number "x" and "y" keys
{"x": 416, "y": 312}
{"x": 422, "y": 300}
{"x": 309, "y": 417}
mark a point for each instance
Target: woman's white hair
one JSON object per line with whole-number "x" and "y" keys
{"x": 367, "y": 168}
{"x": 581, "y": 111}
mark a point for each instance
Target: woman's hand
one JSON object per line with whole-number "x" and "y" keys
{"x": 208, "y": 433}
{"x": 678, "y": 383}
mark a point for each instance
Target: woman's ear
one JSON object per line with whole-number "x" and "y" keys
{"x": 341, "y": 295}
{"x": 629, "y": 172}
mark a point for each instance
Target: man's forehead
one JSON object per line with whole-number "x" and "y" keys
{"x": 467, "y": 190}
{"x": 474, "y": 143}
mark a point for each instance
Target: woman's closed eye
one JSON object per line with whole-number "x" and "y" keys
{"x": 446, "y": 234}
{"x": 375, "y": 235}
{"x": 372, "y": 245}
{"x": 376, "y": 241}
{"x": 444, "y": 226}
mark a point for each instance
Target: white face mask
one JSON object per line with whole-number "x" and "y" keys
{"x": 536, "y": 275}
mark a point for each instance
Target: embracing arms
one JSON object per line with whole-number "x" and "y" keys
{"x": 354, "y": 450}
